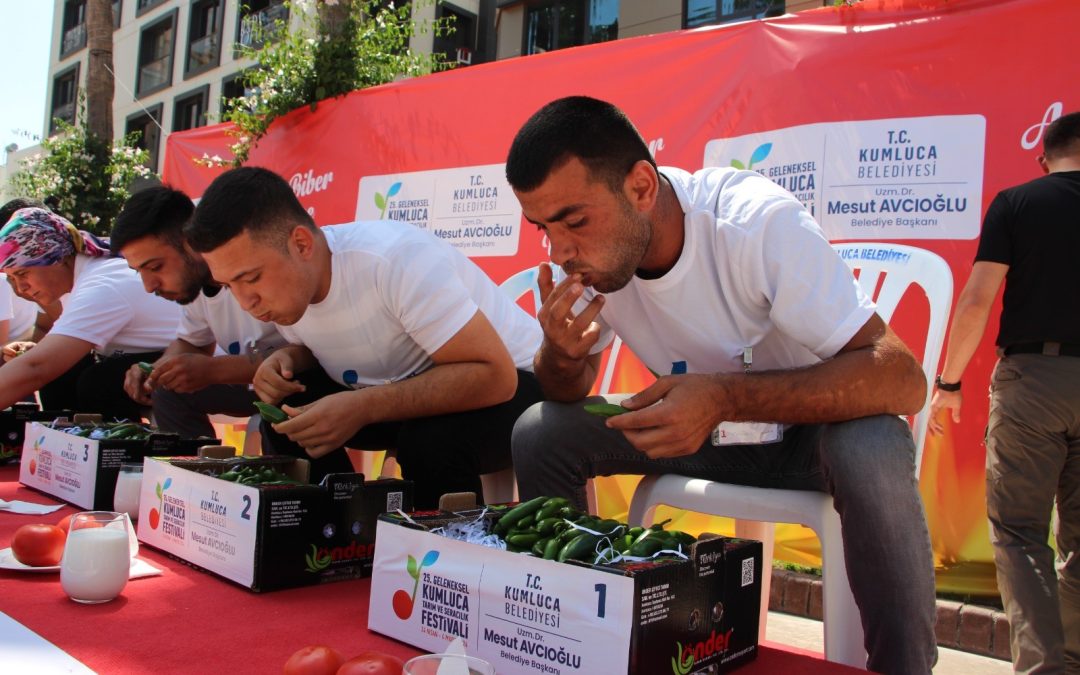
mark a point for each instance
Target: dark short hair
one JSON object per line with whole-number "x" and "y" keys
{"x": 9, "y": 209}
{"x": 1062, "y": 136}
{"x": 158, "y": 211}
{"x": 594, "y": 131}
{"x": 248, "y": 199}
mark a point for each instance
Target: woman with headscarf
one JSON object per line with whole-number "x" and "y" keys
{"x": 105, "y": 313}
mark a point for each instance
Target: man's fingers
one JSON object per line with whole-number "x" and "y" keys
{"x": 545, "y": 281}
{"x": 581, "y": 323}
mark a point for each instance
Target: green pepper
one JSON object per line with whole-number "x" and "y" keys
{"x": 271, "y": 413}
{"x": 511, "y": 517}
{"x": 605, "y": 409}
{"x": 579, "y": 546}
{"x": 146, "y": 367}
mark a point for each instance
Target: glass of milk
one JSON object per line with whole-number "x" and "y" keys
{"x": 447, "y": 664}
{"x": 97, "y": 557}
{"x": 128, "y": 485}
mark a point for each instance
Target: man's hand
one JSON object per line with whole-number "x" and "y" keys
{"x": 674, "y": 416}
{"x": 183, "y": 373}
{"x": 323, "y": 426}
{"x": 568, "y": 337}
{"x": 274, "y": 378}
{"x": 13, "y": 349}
{"x": 136, "y": 386}
{"x": 944, "y": 399}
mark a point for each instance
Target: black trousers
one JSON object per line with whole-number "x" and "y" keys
{"x": 96, "y": 386}
{"x": 440, "y": 454}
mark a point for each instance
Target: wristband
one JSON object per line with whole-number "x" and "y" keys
{"x": 946, "y": 386}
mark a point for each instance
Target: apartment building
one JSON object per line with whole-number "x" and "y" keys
{"x": 175, "y": 61}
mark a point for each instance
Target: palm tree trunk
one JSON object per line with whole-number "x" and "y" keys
{"x": 99, "y": 78}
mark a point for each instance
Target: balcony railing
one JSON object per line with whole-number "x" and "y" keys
{"x": 204, "y": 51}
{"x": 257, "y": 28}
{"x": 74, "y": 38}
{"x": 155, "y": 74}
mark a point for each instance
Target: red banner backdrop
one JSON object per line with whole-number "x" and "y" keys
{"x": 894, "y": 120}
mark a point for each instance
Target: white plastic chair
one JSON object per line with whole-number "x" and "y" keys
{"x": 757, "y": 509}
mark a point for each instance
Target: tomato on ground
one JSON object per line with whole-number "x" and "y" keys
{"x": 372, "y": 663}
{"x": 314, "y": 660}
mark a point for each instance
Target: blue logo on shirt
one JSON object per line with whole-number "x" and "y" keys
{"x": 350, "y": 377}
{"x": 678, "y": 367}
{"x": 234, "y": 348}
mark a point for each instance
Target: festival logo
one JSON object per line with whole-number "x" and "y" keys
{"x": 760, "y": 153}
{"x": 403, "y": 601}
{"x": 155, "y": 513}
{"x": 382, "y": 200}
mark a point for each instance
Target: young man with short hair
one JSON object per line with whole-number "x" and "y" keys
{"x": 722, "y": 279}
{"x": 191, "y": 380}
{"x": 397, "y": 340}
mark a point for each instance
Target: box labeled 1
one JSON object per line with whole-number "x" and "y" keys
{"x": 527, "y": 615}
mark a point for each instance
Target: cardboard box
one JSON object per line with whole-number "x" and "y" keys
{"x": 83, "y": 471}
{"x": 264, "y": 537}
{"x": 529, "y": 616}
{"x": 13, "y": 427}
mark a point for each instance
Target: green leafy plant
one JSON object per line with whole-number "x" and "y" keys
{"x": 360, "y": 44}
{"x": 89, "y": 178}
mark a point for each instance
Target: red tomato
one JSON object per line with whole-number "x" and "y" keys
{"x": 372, "y": 663}
{"x": 314, "y": 660}
{"x": 65, "y": 523}
{"x": 38, "y": 545}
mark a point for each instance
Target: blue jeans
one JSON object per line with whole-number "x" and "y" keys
{"x": 867, "y": 465}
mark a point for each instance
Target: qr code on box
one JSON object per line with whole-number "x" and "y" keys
{"x": 747, "y": 572}
{"x": 393, "y": 501}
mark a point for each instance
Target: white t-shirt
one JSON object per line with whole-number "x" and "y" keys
{"x": 398, "y": 294}
{"x": 755, "y": 271}
{"x": 21, "y": 313}
{"x": 220, "y": 320}
{"x": 108, "y": 308}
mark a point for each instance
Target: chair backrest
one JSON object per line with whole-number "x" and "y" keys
{"x": 521, "y": 283}
{"x": 896, "y": 267}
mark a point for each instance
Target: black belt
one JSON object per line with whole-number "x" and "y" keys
{"x": 1047, "y": 348}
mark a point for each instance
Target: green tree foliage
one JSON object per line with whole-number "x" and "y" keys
{"x": 340, "y": 47}
{"x": 89, "y": 178}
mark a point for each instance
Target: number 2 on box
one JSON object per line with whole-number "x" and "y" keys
{"x": 247, "y": 507}
{"x": 601, "y": 599}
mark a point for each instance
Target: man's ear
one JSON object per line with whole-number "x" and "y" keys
{"x": 302, "y": 238}
{"x": 642, "y": 185}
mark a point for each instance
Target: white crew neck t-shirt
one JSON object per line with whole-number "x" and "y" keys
{"x": 219, "y": 320}
{"x": 109, "y": 308}
{"x": 21, "y": 313}
{"x": 398, "y": 294}
{"x": 755, "y": 271}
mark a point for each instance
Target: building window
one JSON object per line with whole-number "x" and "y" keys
{"x": 65, "y": 92}
{"x": 73, "y": 28}
{"x": 233, "y": 87}
{"x": 705, "y": 12}
{"x": 143, "y": 6}
{"x": 557, "y": 24}
{"x": 117, "y": 10}
{"x": 458, "y": 47}
{"x": 156, "y": 56}
{"x": 190, "y": 109}
{"x": 258, "y": 21}
{"x": 204, "y": 37}
{"x": 148, "y": 126}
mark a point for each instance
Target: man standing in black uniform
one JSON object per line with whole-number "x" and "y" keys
{"x": 1030, "y": 239}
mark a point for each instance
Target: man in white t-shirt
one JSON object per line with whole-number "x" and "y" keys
{"x": 402, "y": 341}
{"x": 723, "y": 280}
{"x": 208, "y": 368}
{"x": 17, "y": 316}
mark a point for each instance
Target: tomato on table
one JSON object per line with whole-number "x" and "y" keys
{"x": 38, "y": 545}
